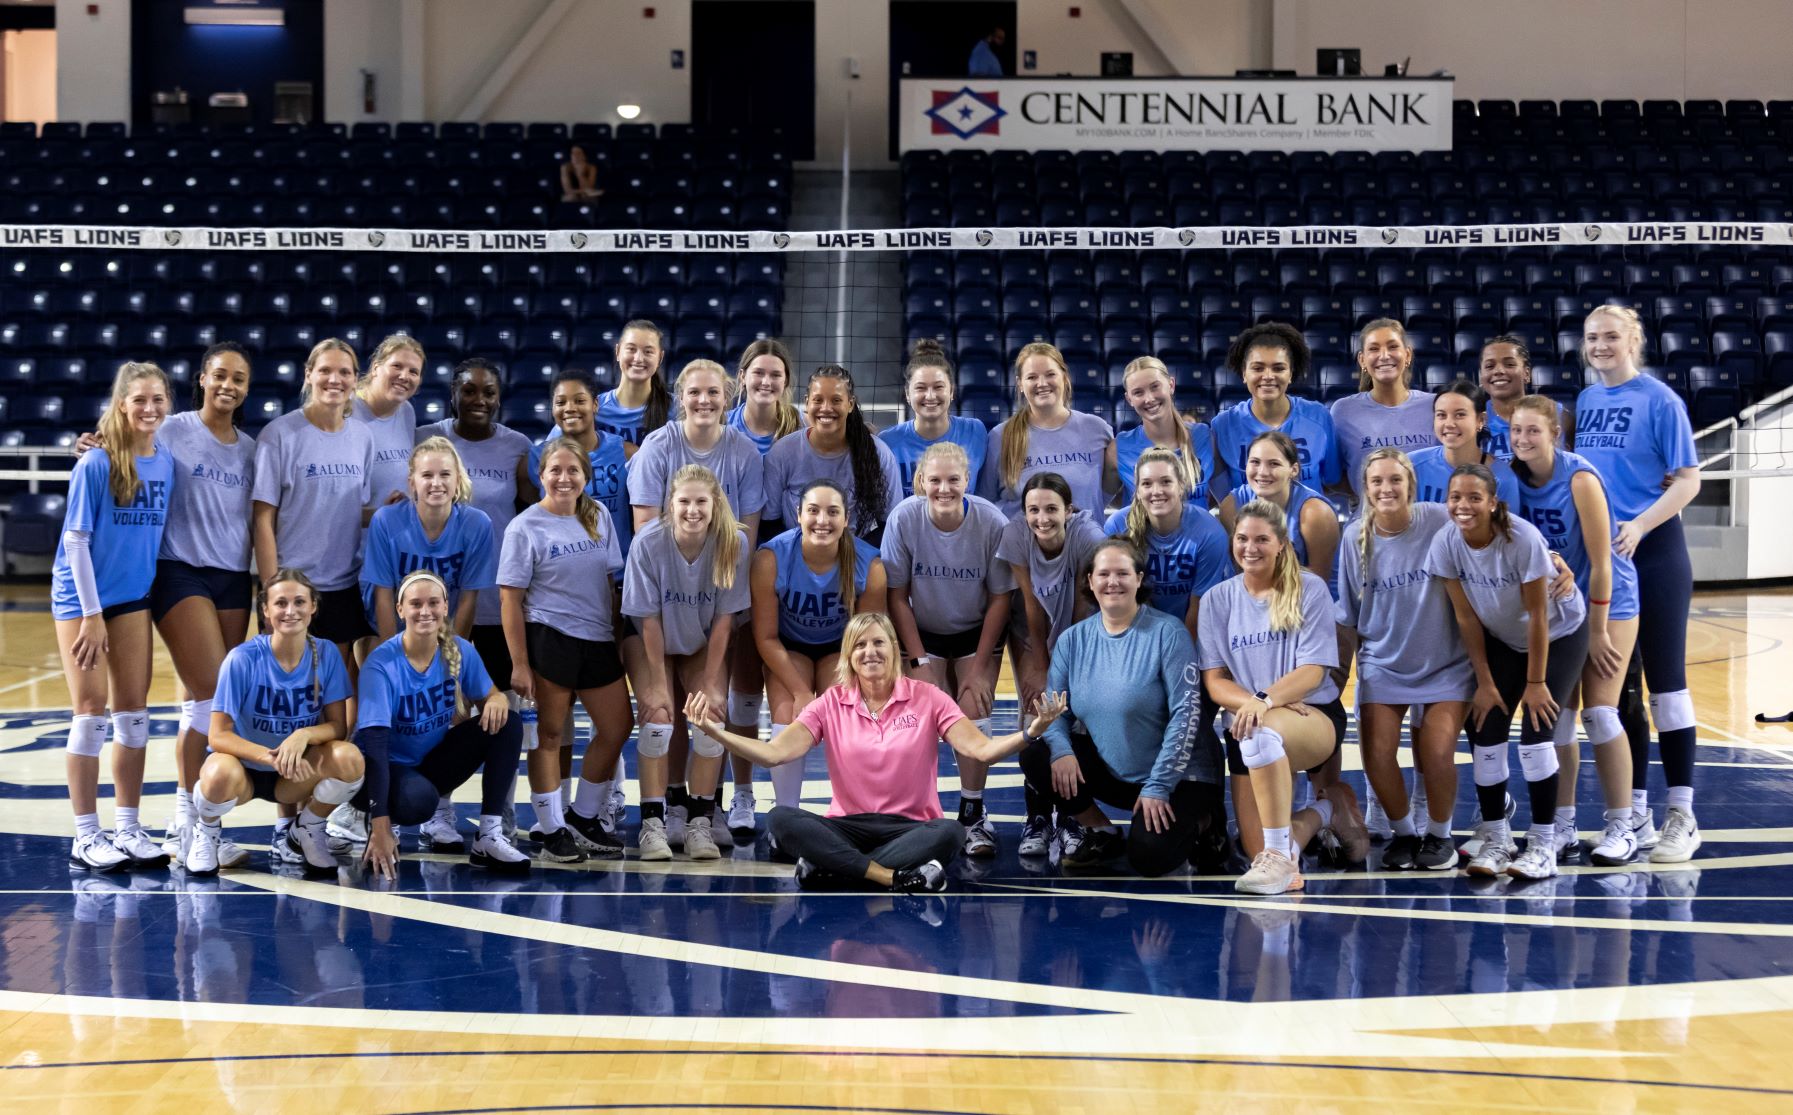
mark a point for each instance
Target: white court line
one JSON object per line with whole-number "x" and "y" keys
{"x": 38, "y": 680}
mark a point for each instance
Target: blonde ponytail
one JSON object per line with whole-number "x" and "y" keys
{"x": 725, "y": 531}
{"x": 115, "y": 430}
{"x": 446, "y": 644}
{"x": 1285, "y": 582}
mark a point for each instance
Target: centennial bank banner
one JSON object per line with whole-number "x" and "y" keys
{"x": 1164, "y": 114}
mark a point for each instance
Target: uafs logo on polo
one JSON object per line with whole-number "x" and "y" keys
{"x": 965, "y": 112}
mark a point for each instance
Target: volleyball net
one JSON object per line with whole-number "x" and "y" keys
{"x": 1714, "y": 297}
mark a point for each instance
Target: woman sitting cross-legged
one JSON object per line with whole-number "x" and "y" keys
{"x": 1131, "y": 737}
{"x": 881, "y": 730}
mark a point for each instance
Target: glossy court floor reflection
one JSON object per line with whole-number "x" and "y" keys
{"x": 720, "y": 987}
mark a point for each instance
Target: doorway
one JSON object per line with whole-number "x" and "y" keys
{"x": 930, "y": 38}
{"x": 753, "y": 67}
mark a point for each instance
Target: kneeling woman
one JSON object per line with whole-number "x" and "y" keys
{"x": 1135, "y": 701}
{"x": 1525, "y": 646}
{"x": 1269, "y": 649}
{"x": 686, "y": 582}
{"x": 278, "y": 729}
{"x": 882, "y": 733}
{"x": 421, "y": 737}
{"x": 806, "y": 584}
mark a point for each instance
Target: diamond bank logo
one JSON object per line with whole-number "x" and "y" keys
{"x": 964, "y": 112}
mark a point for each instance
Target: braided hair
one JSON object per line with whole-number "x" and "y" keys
{"x": 447, "y": 645}
{"x": 868, "y": 504}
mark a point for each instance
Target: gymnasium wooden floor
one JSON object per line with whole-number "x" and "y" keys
{"x": 670, "y": 987}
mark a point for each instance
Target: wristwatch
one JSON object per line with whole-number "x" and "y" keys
{"x": 918, "y": 663}
{"x": 1264, "y": 696}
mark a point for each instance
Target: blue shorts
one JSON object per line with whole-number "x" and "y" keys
{"x": 227, "y": 589}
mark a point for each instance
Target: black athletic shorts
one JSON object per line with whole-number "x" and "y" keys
{"x": 227, "y": 589}
{"x": 952, "y": 647}
{"x": 815, "y": 652}
{"x": 488, "y": 640}
{"x": 341, "y": 616}
{"x": 125, "y": 608}
{"x": 571, "y": 663}
{"x": 1333, "y": 710}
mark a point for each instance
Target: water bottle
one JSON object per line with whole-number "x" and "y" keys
{"x": 526, "y": 714}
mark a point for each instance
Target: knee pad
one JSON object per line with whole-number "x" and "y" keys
{"x": 1565, "y": 728}
{"x": 1537, "y": 760}
{"x": 1602, "y": 723}
{"x": 1491, "y": 765}
{"x": 703, "y": 744}
{"x": 654, "y": 741}
{"x": 202, "y": 716}
{"x": 131, "y": 729}
{"x": 744, "y": 708}
{"x": 1262, "y": 748}
{"x": 1671, "y": 711}
{"x": 334, "y": 791}
{"x": 186, "y": 720}
{"x": 87, "y": 736}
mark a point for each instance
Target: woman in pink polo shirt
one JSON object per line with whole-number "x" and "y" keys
{"x": 881, "y": 731}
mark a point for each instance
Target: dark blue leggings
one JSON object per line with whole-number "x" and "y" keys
{"x": 1665, "y": 590}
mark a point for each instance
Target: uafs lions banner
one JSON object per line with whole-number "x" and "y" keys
{"x": 1223, "y": 114}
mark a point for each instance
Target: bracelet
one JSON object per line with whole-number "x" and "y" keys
{"x": 1540, "y": 681}
{"x": 1599, "y": 603}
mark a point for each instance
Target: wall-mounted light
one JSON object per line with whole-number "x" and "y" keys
{"x": 628, "y": 112}
{"x": 237, "y": 17}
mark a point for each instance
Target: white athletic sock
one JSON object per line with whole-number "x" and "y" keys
{"x": 971, "y": 795}
{"x": 310, "y": 820}
{"x": 1440, "y": 829}
{"x": 1403, "y": 826}
{"x": 566, "y": 795}
{"x": 490, "y": 826}
{"x": 1277, "y": 840}
{"x": 1640, "y": 801}
{"x": 1611, "y": 815}
{"x": 281, "y": 824}
{"x": 125, "y": 816}
{"x": 547, "y": 811}
{"x": 1565, "y": 815}
{"x": 592, "y": 797}
{"x": 1544, "y": 834}
{"x": 445, "y": 808}
{"x": 1680, "y": 797}
{"x": 183, "y": 806}
{"x": 209, "y": 811}
{"x": 87, "y": 824}
{"x": 1324, "y": 809}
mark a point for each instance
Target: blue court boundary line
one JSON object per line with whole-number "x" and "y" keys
{"x": 1217, "y": 1062}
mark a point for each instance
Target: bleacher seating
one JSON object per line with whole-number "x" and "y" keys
{"x": 1719, "y": 310}
{"x": 67, "y": 317}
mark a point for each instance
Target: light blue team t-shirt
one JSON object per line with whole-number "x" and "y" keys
{"x": 1500, "y": 433}
{"x": 810, "y": 609}
{"x": 614, "y": 418}
{"x": 1299, "y": 494}
{"x": 1076, "y": 451}
{"x": 492, "y": 464}
{"x": 1129, "y": 444}
{"x": 265, "y": 703}
{"x": 416, "y": 709}
{"x": 907, "y": 446}
{"x": 734, "y": 461}
{"x": 609, "y": 483}
{"x": 1493, "y": 577}
{"x": 1362, "y": 425}
{"x": 1432, "y": 474}
{"x": 1634, "y": 435}
{"x": 793, "y": 463}
{"x": 464, "y": 555}
{"x": 1308, "y": 424}
{"x": 1185, "y": 563}
{"x": 318, "y": 482}
{"x": 124, "y": 542}
{"x": 209, "y": 510}
{"x": 1551, "y": 508}
{"x": 1408, "y": 648}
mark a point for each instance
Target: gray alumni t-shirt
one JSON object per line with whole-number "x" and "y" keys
{"x": 1235, "y": 633}
{"x": 565, "y": 574}
{"x": 492, "y": 466}
{"x": 1492, "y": 578}
{"x": 318, "y": 482}
{"x": 948, "y": 573}
{"x": 1409, "y": 651}
{"x": 1055, "y": 579}
{"x": 1076, "y": 451}
{"x": 208, "y": 510}
{"x": 792, "y": 463}
{"x": 683, "y": 594}
{"x": 734, "y": 459}
{"x": 394, "y": 436}
{"x": 1361, "y": 425}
